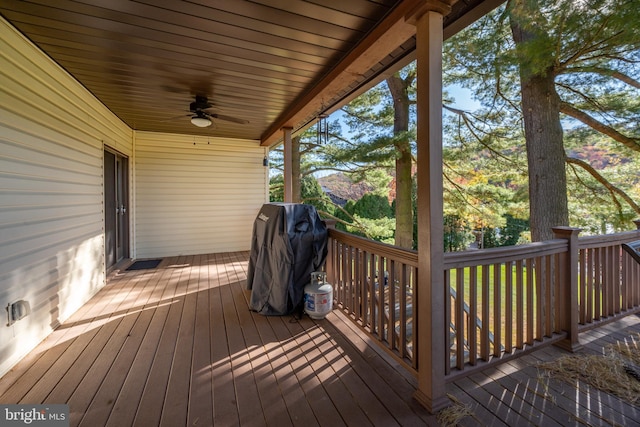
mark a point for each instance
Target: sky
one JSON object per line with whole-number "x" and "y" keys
{"x": 462, "y": 98}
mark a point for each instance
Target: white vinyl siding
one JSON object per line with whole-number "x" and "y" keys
{"x": 193, "y": 199}
{"x": 185, "y": 198}
{"x": 52, "y": 133}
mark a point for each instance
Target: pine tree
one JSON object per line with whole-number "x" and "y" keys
{"x": 536, "y": 64}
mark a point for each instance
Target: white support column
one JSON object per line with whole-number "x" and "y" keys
{"x": 431, "y": 292}
{"x": 288, "y": 178}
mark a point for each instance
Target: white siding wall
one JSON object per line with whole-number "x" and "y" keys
{"x": 193, "y": 199}
{"x": 52, "y": 133}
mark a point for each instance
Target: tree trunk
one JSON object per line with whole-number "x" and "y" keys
{"x": 544, "y": 142}
{"x": 296, "y": 196}
{"x": 404, "y": 212}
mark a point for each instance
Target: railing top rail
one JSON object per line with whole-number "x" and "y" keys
{"x": 503, "y": 254}
{"x": 484, "y": 256}
{"x": 396, "y": 253}
{"x": 588, "y": 242}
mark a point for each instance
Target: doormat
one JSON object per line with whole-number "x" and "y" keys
{"x": 146, "y": 264}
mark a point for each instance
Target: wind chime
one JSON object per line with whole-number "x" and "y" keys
{"x": 322, "y": 129}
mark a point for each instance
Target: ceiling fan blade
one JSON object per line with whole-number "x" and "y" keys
{"x": 228, "y": 118}
{"x": 170, "y": 119}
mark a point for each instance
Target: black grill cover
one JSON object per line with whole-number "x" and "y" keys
{"x": 289, "y": 242}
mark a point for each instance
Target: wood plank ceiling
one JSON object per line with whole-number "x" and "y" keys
{"x": 255, "y": 60}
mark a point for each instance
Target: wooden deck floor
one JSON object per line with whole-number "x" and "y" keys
{"x": 177, "y": 346}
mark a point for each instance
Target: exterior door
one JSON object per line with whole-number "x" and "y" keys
{"x": 116, "y": 207}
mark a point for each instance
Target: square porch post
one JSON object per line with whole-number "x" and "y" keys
{"x": 568, "y": 298}
{"x": 287, "y": 166}
{"x": 431, "y": 292}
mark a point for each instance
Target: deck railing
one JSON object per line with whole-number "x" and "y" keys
{"x": 499, "y": 302}
{"x": 608, "y": 279}
{"x": 510, "y": 294}
{"x": 373, "y": 284}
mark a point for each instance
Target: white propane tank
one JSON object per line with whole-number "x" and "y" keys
{"x": 318, "y": 296}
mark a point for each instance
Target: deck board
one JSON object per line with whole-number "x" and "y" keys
{"x": 149, "y": 411}
{"x": 92, "y": 398}
{"x": 224, "y": 399}
{"x": 300, "y": 373}
{"x": 311, "y": 348}
{"x": 124, "y": 409}
{"x": 584, "y": 398}
{"x": 551, "y": 396}
{"x": 178, "y": 346}
{"x": 200, "y": 411}
{"x": 175, "y": 409}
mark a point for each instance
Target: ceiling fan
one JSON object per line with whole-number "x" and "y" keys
{"x": 202, "y": 118}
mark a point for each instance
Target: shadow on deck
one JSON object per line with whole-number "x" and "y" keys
{"x": 178, "y": 346}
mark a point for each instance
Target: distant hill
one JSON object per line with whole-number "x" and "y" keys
{"x": 599, "y": 158}
{"x": 341, "y": 189}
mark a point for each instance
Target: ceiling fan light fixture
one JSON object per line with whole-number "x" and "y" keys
{"x": 201, "y": 121}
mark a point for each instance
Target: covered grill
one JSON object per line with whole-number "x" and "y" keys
{"x": 289, "y": 242}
